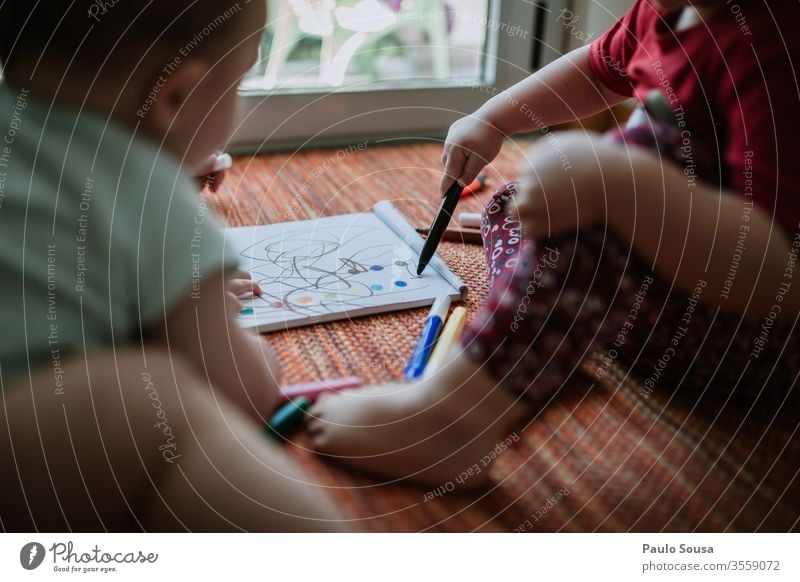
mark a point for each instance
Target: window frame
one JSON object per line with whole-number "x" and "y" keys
{"x": 275, "y": 120}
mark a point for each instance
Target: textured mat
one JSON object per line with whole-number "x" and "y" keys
{"x": 601, "y": 458}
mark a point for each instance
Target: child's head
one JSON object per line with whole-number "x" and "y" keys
{"x": 172, "y": 66}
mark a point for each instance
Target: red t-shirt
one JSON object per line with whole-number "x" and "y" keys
{"x": 731, "y": 78}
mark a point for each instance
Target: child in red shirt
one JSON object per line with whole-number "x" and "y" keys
{"x": 668, "y": 248}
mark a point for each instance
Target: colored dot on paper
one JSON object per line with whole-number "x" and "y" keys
{"x": 330, "y": 295}
{"x": 247, "y": 311}
{"x": 304, "y": 299}
{"x": 377, "y": 287}
{"x": 401, "y": 263}
{"x": 278, "y": 305}
{"x": 376, "y": 268}
{"x": 401, "y": 283}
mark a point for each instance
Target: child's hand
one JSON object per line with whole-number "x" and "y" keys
{"x": 208, "y": 174}
{"x": 562, "y": 185}
{"x": 241, "y": 283}
{"x": 471, "y": 143}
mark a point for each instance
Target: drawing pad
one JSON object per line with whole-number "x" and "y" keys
{"x": 335, "y": 268}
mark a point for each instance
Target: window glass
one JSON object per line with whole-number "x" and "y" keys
{"x": 315, "y": 45}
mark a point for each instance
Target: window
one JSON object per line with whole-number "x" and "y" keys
{"x": 334, "y": 71}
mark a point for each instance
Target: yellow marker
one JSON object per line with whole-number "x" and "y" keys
{"x": 448, "y": 339}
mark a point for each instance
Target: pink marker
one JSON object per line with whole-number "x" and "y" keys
{"x": 312, "y": 390}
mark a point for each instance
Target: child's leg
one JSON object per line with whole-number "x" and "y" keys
{"x": 130, "y": 447}
{"x": 502, "y": 234}
{"x": 560, "y": 300}
{"x": 430, "y": 431}
{"x": 435, "y": 429}
{"x": 409, "y": 430}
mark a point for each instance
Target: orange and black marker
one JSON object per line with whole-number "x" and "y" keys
{"x": 477, "y": 185}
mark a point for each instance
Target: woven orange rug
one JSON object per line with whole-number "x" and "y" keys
{"x": 601, "y": 458}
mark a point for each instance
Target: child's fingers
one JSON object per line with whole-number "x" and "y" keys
{"x": 242, "y": 282}
{"x": 472, "y": 168}
{"x": 453, "y": 168}
{"x": 242, "y": 286}
{"x": 446, "y": 153}
{"x": 209, "y": 175}
{"x": 207, "y": 167}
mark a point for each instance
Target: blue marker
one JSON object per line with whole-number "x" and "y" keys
{"x": 427, "y": 339}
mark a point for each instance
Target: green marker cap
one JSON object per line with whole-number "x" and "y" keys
{"x": 288, "y": 416}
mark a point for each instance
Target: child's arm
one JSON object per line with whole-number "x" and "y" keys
{"x": 564, "y": 90}
{"x": 690, "y": 234}
{"x": 205, "y": 332}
